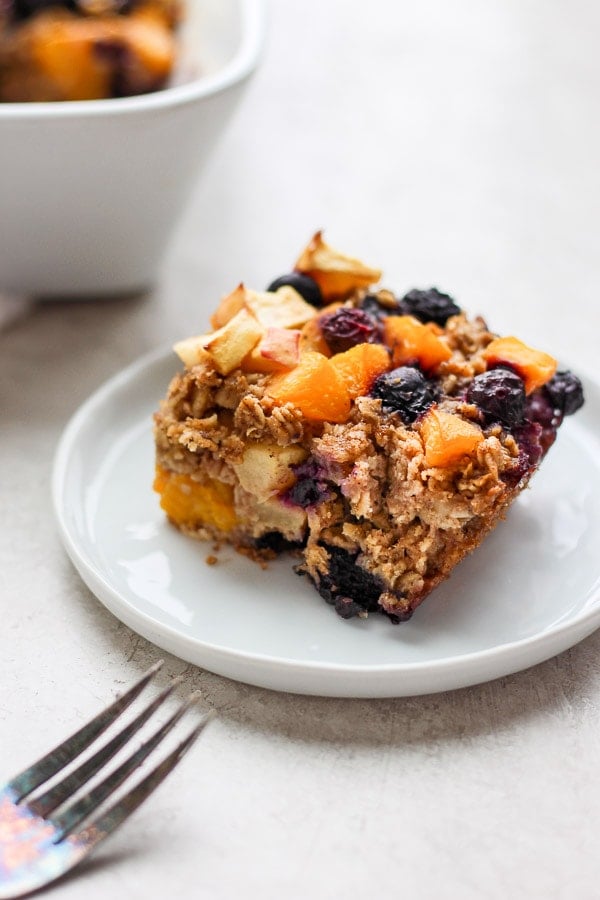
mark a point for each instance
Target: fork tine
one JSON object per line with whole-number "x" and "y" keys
{"x": 25, "y": 782}
{"x": 59, "y": 793}
{"x": 101, "y": 827}
{"x": 65, "y": 822}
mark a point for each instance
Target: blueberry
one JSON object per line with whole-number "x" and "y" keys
{"x": 25, "y": 8}
{"x": 371, "y": 305}
{"x": 347, "y": 586}
{"x": 345, "y": 328}
{"x": 404, "y": 390}
{"x": 275, "y": 542}
{"x": 541, "y": 413}
{"x": 529, "y": 437}
{"x": 565, "y": 392}
{"x": 540, "y": 408}
{"x": 500, "y": 395}
{"x": 310, "y": 486}
{"x": 429, "y": 306}
{"x": 306, "y": 286}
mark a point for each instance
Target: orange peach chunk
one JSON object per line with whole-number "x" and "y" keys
{"x": 359, "y": 367}
{"x": 187, "y": 502}
{"x": 53, "y": 55}
{"x": 534, "y": 366}
{"x": 315, "y": 387}
{"x": 311, "y": 338}
{"x": 448, "y": 438}
{"x": 410, "y": 339}
{"x": 337, "y": 275}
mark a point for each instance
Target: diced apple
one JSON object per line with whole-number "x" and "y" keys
{"x": 337, "y": 275}
{"x": 229, "y": 306}
{"x": 288, "y": 520}
{"x": 258, "y": 364}
{"x": 284, "y": 308}
{"x": 226, "y": 347}
{"x": 265, "y": 468}
{"x": 230, "y": 344}
{"x": 278, "y": 350}
{"x": 534, "y": 366}
{"x": 448, "y": 438}
{"x": 191, "y": 351}
{"x": 282, "y": 345}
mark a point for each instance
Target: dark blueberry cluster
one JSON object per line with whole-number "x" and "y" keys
{"x": 23, "y": 9}
{"x": 275, "y": 542}
{"x": 348, "y": 587}
{"x": 429, "y": 306}
{"x": 310, "y": 486}
{"x": 565, "y": 392}
{"x": 500, "y": 395}
{"x": 379, "y": 311}
{"x": 347, "y": 327}
{"x": 306, "y": 286}
{"x": 404, "y": 390}
{"x": 541, "y": 412}
{"x": 544, "y": 412}
{"x": 530, "y": 438}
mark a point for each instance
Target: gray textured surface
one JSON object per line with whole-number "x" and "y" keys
{"x": 455, "y": 144}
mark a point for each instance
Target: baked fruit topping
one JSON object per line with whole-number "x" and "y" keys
{"x": 56, "y": 50}
{"x": 429, "y": 306}
{"x": 500, "y": 395}
{"x": 306, "y": 286}
{"x": 412, "y": 341}
{"x": 382, "y": 438}
{"x": 337, "y": 274}
{"x": 534, "y": 366}
{"x": 404, "y": 390}
{"x": 347, "y": 327}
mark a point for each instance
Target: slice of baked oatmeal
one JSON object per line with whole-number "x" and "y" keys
{"x": 382, "y": 437}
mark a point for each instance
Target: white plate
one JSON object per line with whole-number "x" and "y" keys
{"x": 531, "y": 591}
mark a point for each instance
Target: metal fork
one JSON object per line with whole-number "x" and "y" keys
{"x": 44, "y": 835}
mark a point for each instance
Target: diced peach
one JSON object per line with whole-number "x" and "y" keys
{"x": 187, "y": 502}
{"x": 359, "y": 367}
{"x": 315, "y": 387}
{"x": 255, "y": 362}
{"x": 534, "y": 366}
{"x": 448, "y": 438}
{"x": 412, "y": 340}
{"x": 311, "y": 338}
{"x": 277, "y": 351}
{"x": 337, "y": 275}
{"x": 54, "y": 55}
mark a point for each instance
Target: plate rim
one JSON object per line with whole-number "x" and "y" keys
{"x": 493, "y": 659}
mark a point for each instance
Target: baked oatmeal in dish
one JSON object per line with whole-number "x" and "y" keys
{"x": 381, "y": 436}
{"x": 53, "y": 50}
